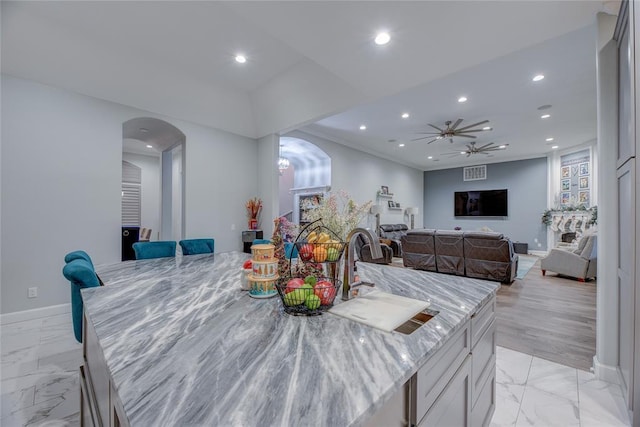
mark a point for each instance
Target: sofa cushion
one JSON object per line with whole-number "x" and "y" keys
{"x": 489, "y": 235}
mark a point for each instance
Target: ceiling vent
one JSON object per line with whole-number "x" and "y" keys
{"x": 474, "y": 173}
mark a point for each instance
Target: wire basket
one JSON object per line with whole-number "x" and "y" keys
{"x": 300, "y": 299}
{"x": 318, "y": 244}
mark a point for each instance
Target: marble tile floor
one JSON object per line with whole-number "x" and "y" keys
{"x": 40, "y": 360}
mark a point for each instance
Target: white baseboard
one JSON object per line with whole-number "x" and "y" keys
{"x": 604, "y": 372}
{"x": 36, "y": 313}
{"x": 538, "y": 253}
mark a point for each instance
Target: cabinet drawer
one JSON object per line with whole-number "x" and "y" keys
{"x": 485, "y": 405}
{"x": 481, "y": 320}
{"x": 453, "y": 406}
{"x": 483, "y": 360}
{"x": 432, "y": 378}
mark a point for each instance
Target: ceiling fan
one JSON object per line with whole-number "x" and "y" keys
{"x": 451, "y": 131}
{"x": 484, "y": 149}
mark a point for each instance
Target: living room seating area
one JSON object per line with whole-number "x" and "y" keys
{"x": 482, "y": 255}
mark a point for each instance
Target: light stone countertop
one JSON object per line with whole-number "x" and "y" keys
{"x": 185, "y": 346}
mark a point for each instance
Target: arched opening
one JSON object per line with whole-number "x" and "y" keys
{"x": 308, "y": 175}
{"x": 157, "y": 148}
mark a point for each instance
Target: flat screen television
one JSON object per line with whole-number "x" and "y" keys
{"x": 480, "y": 203}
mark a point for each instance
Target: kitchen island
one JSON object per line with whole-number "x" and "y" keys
{"x": 174, "y": 341}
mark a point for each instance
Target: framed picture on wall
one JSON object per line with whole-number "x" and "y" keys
{"x": 384, "y": 189}
{"x": 584, "y": 168}
{"x": 584, "y": 182}
{"x": 583, "y": 197}
{"x": 566, "y": 171}
{"x": 391, "y": 204}
{"x": 566, "y": 184}
{"x": 565, "y": 198}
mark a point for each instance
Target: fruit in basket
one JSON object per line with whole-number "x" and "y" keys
{"x": 312, "y": 237}
{"x": 293, "y": 284}
{"x": 334, "y": 244}
{"x": 320, "y": 253}
{"x": 312, "y": 302}
{"x": 306, "y": 252}
{"x": 325, "y": 291}
{"x": 310, "y": 280}
{"x": 298, "y": 296}
{"x": 323, "y": 238}
{"x": 333, "y": 254}
{"x": 247, "y": 264}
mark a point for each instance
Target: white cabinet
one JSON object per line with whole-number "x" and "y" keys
{"x": 456, "y": 386}
{"x": 452, "y": 408}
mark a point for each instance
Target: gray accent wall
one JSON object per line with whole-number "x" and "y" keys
{"x": 526, "y": 182}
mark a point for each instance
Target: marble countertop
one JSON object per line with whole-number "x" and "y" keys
{"x": 185, "y": 346}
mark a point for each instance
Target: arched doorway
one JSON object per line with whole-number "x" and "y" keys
{"x": 158, "y": 148}
{"x": 308, "y": 175}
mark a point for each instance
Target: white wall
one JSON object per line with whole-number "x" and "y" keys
{"x": 362, "y": 174}
{"x": 150, "y": 206}
{"x": 61, "y": 185}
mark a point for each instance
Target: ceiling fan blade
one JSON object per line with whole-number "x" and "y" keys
{"x": 466, "y": 136}
{"x": 424, "y": 137}
{"x": 469, "y": 153}
{"x": 433, "y": 140}
{"x": 484, "y": 152}
{"x": 436, "y": 127}
{"x": 469, "y": 131}
{"x": 473, "y": 125}
{"x": 455, "y": 125}
{"x": 485, "y": 146}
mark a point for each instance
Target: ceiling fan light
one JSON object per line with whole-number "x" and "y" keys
{"x": 487, "y": 128}
{"x": 382, "y": 38}
{"x": 502, "y": 146}
{"x": 549, "y": 139}
{"x": 462, "y": 99}
{"x": 545, "y": 116}
{"x": 538, "y": 77}
{"x": 463, "y": 152}
{"x": 405, "y": 115}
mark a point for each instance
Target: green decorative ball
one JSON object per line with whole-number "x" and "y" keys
{"x": 312, "y": 302}
{"x": 296, "y": 297}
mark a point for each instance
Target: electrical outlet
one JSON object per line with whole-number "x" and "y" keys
{"x": 33, "y": 292}
{"x": 233, "y": 227}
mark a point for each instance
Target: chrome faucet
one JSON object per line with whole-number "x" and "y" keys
{"x": 348, "y": 283}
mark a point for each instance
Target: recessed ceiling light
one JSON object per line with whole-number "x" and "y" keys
{"x": 430, "y": 157}
{"x": 502, "y": 146}
{"x": 405, "y": 115}
{"x": 363, "y": 127}
{"x": 538, "y": 77}
{"x": 462, "y": 99}
{"x": 241, "y": 59}
{"x": 553, "y": 147}
{"x": 545, "y": 116}
{"x": 486, "y": 128}
{"x": 400, "y": 145}
{"x": 144, "y": 130}
{"x": 549, "y": 139}
{"x": 149, "y": 146}
{"x": 382, "y": 38}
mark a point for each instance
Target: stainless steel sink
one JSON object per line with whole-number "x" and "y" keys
{"x": 413, "y": 324}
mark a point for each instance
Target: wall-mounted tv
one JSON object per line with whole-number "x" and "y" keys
{"x": 480, "y": 203}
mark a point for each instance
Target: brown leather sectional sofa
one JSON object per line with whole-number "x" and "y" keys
{"x": 481, "y": 255}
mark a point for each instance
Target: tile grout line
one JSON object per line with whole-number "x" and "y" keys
{"x": 526, "y": 382}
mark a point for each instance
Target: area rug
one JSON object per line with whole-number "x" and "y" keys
{"x": 525, "y": 262}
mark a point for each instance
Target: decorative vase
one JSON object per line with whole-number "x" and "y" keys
{"x": 253, "y": 224}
